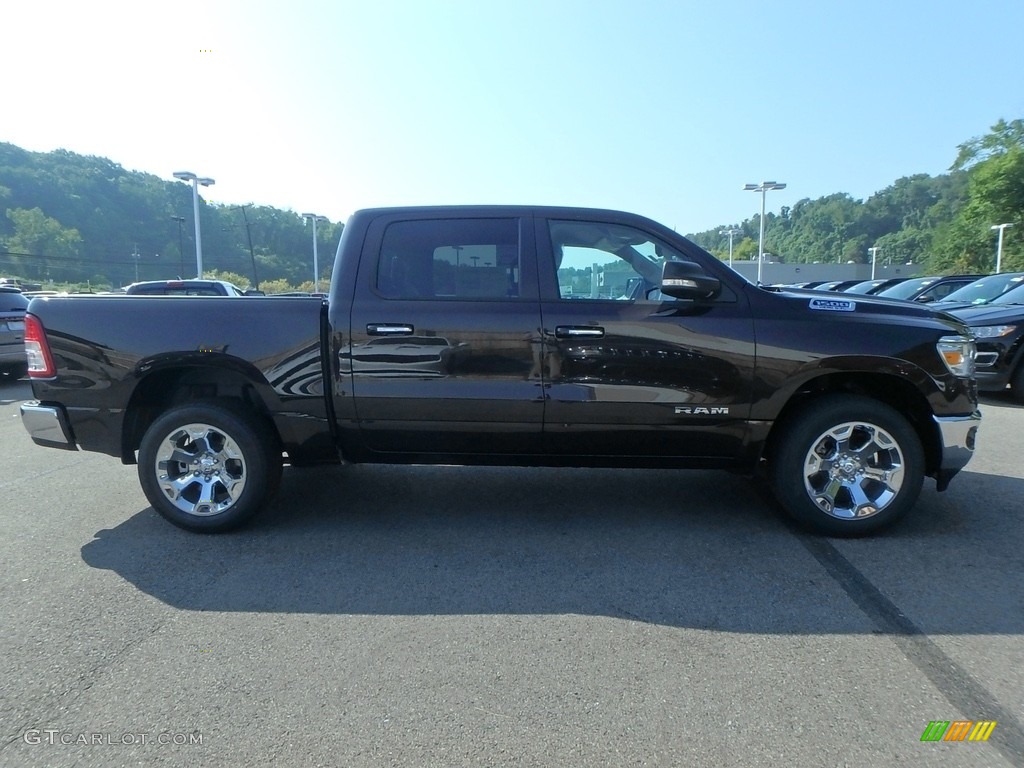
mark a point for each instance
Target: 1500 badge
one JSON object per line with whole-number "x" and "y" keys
{"x": 700, "y": 410}
{"x": 834, "y": 305}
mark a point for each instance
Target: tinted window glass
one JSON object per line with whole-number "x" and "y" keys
{"x": 908, "y": 288}
{"x": 157, "y": 290}
{"x": 453, "y": 259}
{"x": 11, "y": 301}
{"x": 987, "y": 288}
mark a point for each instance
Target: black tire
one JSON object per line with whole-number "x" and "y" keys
{"x": 209, "y": 467}
{"x": 847, "y": 466}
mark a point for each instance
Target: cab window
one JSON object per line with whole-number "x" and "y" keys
{"x": 610, "y": 262}
{"x": 450, "y": 259}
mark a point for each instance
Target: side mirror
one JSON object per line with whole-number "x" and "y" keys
{"x": 687, "y": 280}
{"x": 253, "y": 292}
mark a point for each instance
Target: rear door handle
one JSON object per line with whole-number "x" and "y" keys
{"x": 578, "y": 331}
{"x": 389, "y": 329}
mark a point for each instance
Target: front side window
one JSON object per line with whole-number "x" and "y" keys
{"x": 450, "y": 259}
{"x": 607, "y": 261}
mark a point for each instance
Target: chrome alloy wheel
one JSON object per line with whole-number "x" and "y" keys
{"x": 854, "y": 470}
{"x": 201, "y": 469}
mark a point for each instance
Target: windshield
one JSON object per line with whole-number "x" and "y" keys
{"x": 907, "y": 288}
{"x": 987, "y": 289}
{"x": 1012, "y": 296}
{"x": 863, "y": 287}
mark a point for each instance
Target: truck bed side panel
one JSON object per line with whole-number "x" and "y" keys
{"x": 105, "y": 348}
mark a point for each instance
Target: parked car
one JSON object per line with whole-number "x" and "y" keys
{"x": 13, "y": 304}
{"x": 805, "y": 285}
{"x": 872, "y": 287}
{"x": 837, "y": 285}
{"x": 21, "y": 285}
{"x": 188, "y": 288}
{"x": 981, "y": 291}
{"x": 998, "y": 328}
{"x": 927, "y": 289}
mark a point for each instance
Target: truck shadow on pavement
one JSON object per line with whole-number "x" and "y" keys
{"x": 688, "y": 549}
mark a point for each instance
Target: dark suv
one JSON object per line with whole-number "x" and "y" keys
{"x": 998, "y": 327}
{"x": 13, "y": 303}
{"x": 926, "y": 289}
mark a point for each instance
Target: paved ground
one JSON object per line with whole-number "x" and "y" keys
{"x": 395, "y": 616}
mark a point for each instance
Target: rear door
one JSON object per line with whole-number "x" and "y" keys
{"x": 628, "y": 371}
{"x": 444, "y": 336}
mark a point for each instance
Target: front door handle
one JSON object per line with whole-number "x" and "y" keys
{"x": 389, "y": 329}
{"x": 578, "y": 331}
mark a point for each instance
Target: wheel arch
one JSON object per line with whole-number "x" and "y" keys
{"x": 165, "y": 388}
{"x": 894, "y": 391}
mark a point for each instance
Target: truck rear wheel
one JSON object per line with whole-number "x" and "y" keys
{"x": 208, "y": 467}
{"x": 847, "y": 466}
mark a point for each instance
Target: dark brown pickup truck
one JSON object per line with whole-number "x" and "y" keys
{"x": 514, "y": 336}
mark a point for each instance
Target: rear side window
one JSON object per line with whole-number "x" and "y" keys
{"x": 157, "y": 290}
{"x": 10, "y": 301}
{"x": 450, "y": 259}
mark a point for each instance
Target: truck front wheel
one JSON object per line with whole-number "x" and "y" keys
{"x": 847, "y": 466}
{"x": 208, "y": 467}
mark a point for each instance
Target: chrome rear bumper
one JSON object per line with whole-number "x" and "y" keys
{"x": 48, "y": 425}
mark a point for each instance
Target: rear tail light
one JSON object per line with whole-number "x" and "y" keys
{"x": 40, "y": 361}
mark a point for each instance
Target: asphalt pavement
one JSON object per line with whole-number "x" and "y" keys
{"x": 449, "y": 616}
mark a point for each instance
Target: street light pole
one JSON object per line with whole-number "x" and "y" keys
{"x": 316, "y": 264}
{"x": 730, "y": 232}
{"x": 196, "y": 181}
{"x": 874, "y": 257}
{"x": 764, "y": 187}
{"x": 252, "y": 253}
{"x": 999, "y": 247}
{"x": 181, "y": 243}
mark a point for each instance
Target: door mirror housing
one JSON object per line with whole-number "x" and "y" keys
{"x": 688, "y": 280}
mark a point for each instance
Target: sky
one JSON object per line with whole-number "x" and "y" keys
{"x": 660, "y": 107}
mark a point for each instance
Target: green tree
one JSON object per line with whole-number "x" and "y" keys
{"x": 1003, "y": 137}
{"x": 276, "y": 286}
{"x": 745, "y": 250}
{"x": 39, "y": 241}
{"x": 995, "y": 196}
{"x": 241, "y": 281}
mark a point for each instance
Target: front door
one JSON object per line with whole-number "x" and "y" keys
{"x": 628, "y": 371}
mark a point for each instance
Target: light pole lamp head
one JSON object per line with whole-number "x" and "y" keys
{"x": 185, "y": 175}
{"x": 206, "y": 181}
